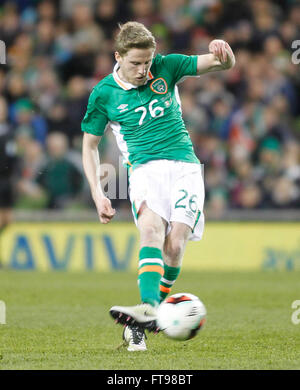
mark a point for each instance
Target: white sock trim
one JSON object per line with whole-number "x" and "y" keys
{"x": 156, "y": 261}
{"x": 171, "y": 282}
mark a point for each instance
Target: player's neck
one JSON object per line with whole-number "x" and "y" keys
{"x": 121, "y": 76}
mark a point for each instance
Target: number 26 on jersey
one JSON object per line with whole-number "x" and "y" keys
{"x": 154, "y": 112}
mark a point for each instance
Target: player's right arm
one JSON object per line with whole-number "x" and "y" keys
{"x": 220, "y": 57}
{"x": 91, "y": 166}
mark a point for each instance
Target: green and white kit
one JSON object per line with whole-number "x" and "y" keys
{"x": 148, "y": 127}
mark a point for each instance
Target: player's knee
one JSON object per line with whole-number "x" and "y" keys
{"x": 174, "y": 249}
{"x": 151, "y": 235}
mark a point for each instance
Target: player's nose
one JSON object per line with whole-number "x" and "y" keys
{"x": 142, "y": 70}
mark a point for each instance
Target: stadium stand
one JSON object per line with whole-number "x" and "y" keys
{"x": 244, "y": 123}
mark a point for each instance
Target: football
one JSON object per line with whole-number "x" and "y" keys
{"x": 181, "y": 316}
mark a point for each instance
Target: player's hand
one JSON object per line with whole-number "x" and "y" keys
{"x": 104, "y": 209}
{"x": 222, "y": 51}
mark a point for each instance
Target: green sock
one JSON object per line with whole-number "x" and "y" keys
{"x": 167, "y": 281}
{"x": 151, "y": 269}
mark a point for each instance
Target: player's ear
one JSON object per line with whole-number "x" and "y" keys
{"x": 118, "y": 57}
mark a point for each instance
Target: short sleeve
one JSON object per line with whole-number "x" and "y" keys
{"x": 95, "y": 119}
{"x": 180, "y": 65}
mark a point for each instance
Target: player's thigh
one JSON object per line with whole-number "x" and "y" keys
{"x": 152, "y": 227}
{"x": 179, "y": 231}
{"x": 149, "y": 183}
{"x": 176, "y": 240}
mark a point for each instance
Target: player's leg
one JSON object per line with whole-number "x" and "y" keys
{"x": 187, "y": 219}
{"x": 173, "y": 251}
{"x": 151, "y": 268}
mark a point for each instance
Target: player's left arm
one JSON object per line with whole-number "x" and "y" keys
{"x": 220, "y": 57}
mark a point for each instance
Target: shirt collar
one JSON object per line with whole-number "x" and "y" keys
{"x": 125, "y": 85}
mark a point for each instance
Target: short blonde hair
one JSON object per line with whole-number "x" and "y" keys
{"x": 134, "y": 35}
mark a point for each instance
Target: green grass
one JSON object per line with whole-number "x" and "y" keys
{"x": 61, "y": 321}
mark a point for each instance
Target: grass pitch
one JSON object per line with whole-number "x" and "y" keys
{"x": 60, "y": 321}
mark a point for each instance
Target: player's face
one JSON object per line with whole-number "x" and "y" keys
{"x": 134, "y": 65}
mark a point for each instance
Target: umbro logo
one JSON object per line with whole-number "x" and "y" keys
{"x": 189, "y": 214}
{"x": 123, "y": 107}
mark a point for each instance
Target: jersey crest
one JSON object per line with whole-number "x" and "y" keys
{"x": 159, "y": 86}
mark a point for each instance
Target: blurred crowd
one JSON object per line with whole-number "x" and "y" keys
{"x": 244, "y": 123}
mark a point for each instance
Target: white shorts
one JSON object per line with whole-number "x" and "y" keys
{"x": 172, "y": 189}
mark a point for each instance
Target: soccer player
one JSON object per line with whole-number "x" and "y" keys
{"x": 139, "y": 101}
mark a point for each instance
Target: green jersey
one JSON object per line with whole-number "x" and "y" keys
{"x": 146, "y": 120}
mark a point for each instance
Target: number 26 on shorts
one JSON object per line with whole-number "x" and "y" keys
{"x": 185, "y": 201}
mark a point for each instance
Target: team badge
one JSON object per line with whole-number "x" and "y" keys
{"x": 159, "y": 86}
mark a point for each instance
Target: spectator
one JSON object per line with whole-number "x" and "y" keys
{"x": 195, "y": 117}
{"x": 15, "y": 88}
{"x": 44, "y": 38}
{"x": 31, "y": 195}
{"x": 59, "y": 177}
{"x": 250, "y": 197}
{"x": 143, "y": 12}
{"x": 46, "y": 90}
{"x": 285, "y": 193}
{"x": 103, "y": 66}
{"x": 10, "y": 26}
{"x": 76, "y": 102}
{"x": 87, "y": 39}
{"x": 8, "y": 167}
{"x": 108, "y": 14}
{"x": 27, "y": 120}
{"x": 58, "y": 119}
{"x": 47, "y": 10}
{"x": 244, "y": 123}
